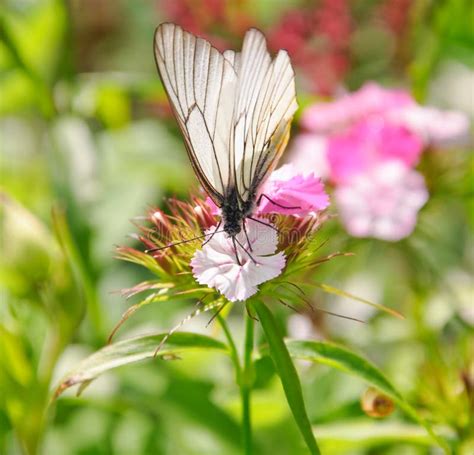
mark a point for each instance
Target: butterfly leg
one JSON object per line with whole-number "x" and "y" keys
{"x": 244, "y": 224}
{"x": 273, "y": 202}
{"x": 249, "y": 255}
{"x": 235, "y": 249}
{"x": 263, "y": 222}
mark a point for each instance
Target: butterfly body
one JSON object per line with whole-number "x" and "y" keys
{"x": 234, "y": 214}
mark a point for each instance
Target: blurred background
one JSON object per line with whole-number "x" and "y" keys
{"x": 88, "y": 142}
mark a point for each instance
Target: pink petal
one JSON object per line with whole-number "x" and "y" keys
{"x": 369, "y": 143}
{"x": 214, "y": 209}
{"x": 287, "y": 188}
{"x": 382, "y": 203}
{"x": 371, "y": 99}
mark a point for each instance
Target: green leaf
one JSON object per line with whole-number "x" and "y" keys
{"x": 349, "y": 362}
{"x": 348, "y": 436}
{"x": 134, "y": 350}
{"x": 287, "y": 372}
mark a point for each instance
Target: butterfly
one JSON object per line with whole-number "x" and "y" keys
{"x": 234, "y": 110}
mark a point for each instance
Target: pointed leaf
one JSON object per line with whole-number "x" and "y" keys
{"x": 134, "y": 350}
{"x": 287, "y": 372}
{"x": 349, "y": 362}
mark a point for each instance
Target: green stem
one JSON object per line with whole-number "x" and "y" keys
{"x": 232, "y": 348}
{"x": 244, "y": 376}
{"x": 246, "y": 385}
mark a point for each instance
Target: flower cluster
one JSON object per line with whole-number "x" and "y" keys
{"x": 187, "y": 245}
{"x": 217, "y": 21}
{"x": 318, "y": 41}
{"x": 367, "y": 144}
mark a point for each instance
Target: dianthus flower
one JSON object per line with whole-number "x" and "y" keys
{"x": 382, "y": 203}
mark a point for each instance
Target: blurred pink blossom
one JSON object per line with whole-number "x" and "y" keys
{"x": 370, "y": 100}
{"x": 309, "y": 151}
{"x": 437, "y": 128}
{"x": 383, "y": 202}
{"x": 286, "y": 187}
{"x": 369, "y": 143}
{"x": 318, "y": 39}
{"x": 216, "y": 265}
{"x": 434, "y": 126}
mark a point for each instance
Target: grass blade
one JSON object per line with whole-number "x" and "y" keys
{"x": 349, "y": 362}
{"x": 287, "y": 372}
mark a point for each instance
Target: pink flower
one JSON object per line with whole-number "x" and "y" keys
{"x": 369, "y": 143}
{"x": 216, "y": 265}
{"x": 382, "y": 203}
{"x": 435, "y": 127}
{"x": 286, "y": 188}
{"x": 369, "y": 100}
{"x": 372, "y": 101}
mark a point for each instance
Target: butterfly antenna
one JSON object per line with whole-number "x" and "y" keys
{"x": 213, "y": 233}
{"x": 152, "y": 250}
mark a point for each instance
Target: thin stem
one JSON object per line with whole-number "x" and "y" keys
{"x": 232, "y": 347}
{"x": 246, "y": 385}
{"x": 244, "y": 375}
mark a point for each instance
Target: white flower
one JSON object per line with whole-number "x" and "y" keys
{"x": 216, "y": 264}
{"x": 383, "y": 202}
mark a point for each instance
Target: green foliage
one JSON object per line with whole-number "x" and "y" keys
{"x": 287, "y": 372}
{"x": 349, "y": 362}
{"x": 87, "y": 144}
{"x": 135, "y": 350}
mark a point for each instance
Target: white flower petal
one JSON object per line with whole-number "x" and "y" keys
{"x": 216, "y": 265}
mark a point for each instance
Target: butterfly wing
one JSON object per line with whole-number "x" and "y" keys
{"x": 201, "y": 84}
{"x": 264, "y": 107}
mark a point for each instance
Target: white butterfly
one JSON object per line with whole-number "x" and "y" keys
{"x": 234, "y": 110}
